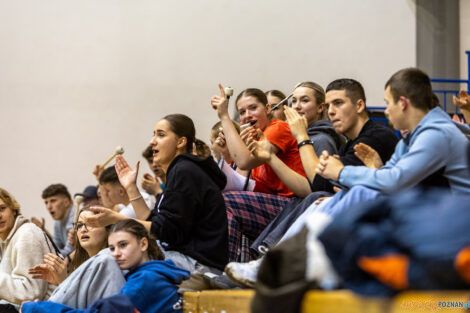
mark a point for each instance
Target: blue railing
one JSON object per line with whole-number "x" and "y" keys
{"x": 444, "y": 92}
{"x": 453, "y": 81}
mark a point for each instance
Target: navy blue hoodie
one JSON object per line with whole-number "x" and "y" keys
{"x": 190, "y": 216}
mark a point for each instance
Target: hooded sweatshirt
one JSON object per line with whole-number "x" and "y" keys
{"x": 434, "y": 146}
{"x": 24, "y": 248}
{"x": 324, "y": 137}
{"x": 190, "y": 215}
{"x": 96, "y": 278}
{"x": 151, "y": 287}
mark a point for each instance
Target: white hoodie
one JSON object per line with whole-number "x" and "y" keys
{"x": 24, "y": 248}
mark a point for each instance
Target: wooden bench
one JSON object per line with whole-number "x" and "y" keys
{"x": 341, "y": 301}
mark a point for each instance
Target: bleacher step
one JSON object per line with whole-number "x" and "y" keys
{"x": 341, "y": 301}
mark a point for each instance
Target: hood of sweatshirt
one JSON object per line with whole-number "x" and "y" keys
{"x": 208, "y": 165}
{"x": 166, "y": 268}
{"x": 325, "y": 126}
{"x": 19, "y": 221}
{"x": 436, "y": 118}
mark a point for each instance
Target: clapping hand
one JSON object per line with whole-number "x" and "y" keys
{"x": 54, "y": 269}
{"x": 368, "y": 155}
{"x": 262, "y": 149}
{"x": 127, "y": 175}
{"x": 329, "y": 167}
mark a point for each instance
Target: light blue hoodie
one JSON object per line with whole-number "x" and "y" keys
{"x": 435, "y": 144}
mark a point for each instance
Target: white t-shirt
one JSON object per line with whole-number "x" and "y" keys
{"x": 128, "y": 210}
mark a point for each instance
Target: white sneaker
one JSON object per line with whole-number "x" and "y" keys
{"x": 244, "y": 273}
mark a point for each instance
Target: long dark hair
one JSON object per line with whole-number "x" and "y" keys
{"x": 138, "y": 231}
{"x": 183, "y": 126}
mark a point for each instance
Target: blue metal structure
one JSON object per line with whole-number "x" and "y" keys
{"x": 444, "y": 92}
{"x": 453, "y": 81}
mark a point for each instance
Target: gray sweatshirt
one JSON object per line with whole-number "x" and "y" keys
{"x": 97, "y": 278}
{"x": 324, "y": 137}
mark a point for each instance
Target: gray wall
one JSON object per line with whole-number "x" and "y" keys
{"x": 438, "y": 42}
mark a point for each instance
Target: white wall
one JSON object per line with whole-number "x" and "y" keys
{"x": 78, "y": 78}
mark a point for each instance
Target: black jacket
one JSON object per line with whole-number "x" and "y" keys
{"x": 190, "y": 215}
{"x": 381, "y": 138}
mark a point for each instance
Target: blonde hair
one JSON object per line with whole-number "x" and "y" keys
{"x": 10, "y": 201}
{"x": 319, "y": 94}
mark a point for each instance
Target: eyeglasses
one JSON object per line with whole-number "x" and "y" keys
{"x": 78, "y": 226}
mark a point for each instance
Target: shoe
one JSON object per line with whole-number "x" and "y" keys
{"x": 263, "y": 249}
{"x": 220, "y": 281}
{"x": 244, "y": 273}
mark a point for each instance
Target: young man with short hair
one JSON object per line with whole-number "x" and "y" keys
{"x": 60, "y": 206}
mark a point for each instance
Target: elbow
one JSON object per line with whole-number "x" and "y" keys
{"x": 302, "y": 193}
{"x": 243, "y": 166}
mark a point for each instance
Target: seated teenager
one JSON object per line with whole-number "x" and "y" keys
{"x": 249, "y": 212}
{"x": 60, "y": 206}
{"x": 22, "y": 245}
{"x": 190, "y": 219}
{"x": 94, "y": 275}
{"x": 274, "y": 97}
{"x": 114, "y": 196}
{"x": 150, "y": 282}
{"x": 153, "y": 185}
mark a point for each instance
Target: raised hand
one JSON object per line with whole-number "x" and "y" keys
{"x": 54, "y": 269}
{"x": 102, "y": 217}
{"x": 127, "y": 175}
{"x": 97, "y": 170}
{"x": 71, "y": 238}
{"x": 297, "y": 123}
{"x": 368, "y": 155}
{"x": 329, "y": 167}
{"x": 39, "y": 223}
{"x": 463, "y": 101}
{"x": 262, "y": 149}
{"x": 151, "y": 185}
{"x": 220, "y": 146}
{"x": 220, "y": 103}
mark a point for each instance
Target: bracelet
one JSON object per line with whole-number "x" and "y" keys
{"x": 303, "y": 143}
{"x": 136, "y": 198}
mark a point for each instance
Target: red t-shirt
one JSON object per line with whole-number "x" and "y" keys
{"x": 278, "y": 133}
